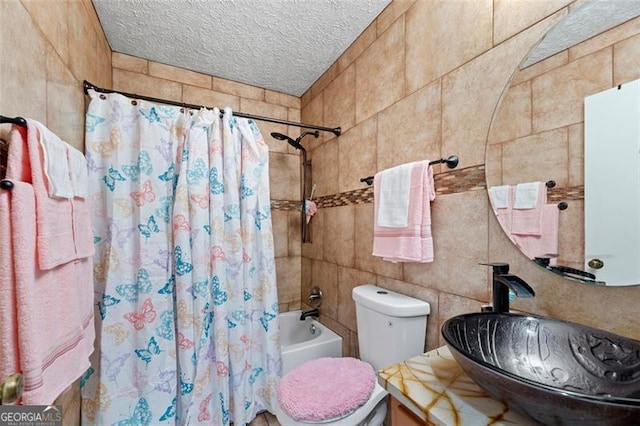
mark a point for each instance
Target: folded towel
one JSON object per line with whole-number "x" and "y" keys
{"x": 499, "y": 196}
{"x": 393, "y": 202}
{"x": 56, "y": 163}
{"x": 530, "y": 195}
{"x": 326, "y": 389}
{"x": 528, "y": 220}
{"x": 79, "y": 172}
{"x": 63, "y": 225}
{"x": 55, "y": 327}
{"x": 547, "y": 241}
{"x": 413, "y": 243}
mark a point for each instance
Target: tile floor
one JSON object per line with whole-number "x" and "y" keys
{"x": 265, "y": 419}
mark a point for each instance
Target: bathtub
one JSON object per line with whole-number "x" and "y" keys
{"x": 302, "y": 341}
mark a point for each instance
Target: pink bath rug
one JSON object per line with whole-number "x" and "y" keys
{"x": 326, "y": 389}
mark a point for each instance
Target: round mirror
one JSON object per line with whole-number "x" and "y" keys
{"x": 562, "y": 158}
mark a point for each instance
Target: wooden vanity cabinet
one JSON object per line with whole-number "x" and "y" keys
{"x": 402, "y": 416}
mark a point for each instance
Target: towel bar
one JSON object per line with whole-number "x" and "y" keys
{"x": 452, "y": 163}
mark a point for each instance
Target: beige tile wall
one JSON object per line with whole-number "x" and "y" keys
{"x": 424, "y": 88}
{"x": 537, "y": 134}
{"x": 47, "y": 51}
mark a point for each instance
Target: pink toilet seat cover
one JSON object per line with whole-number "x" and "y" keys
{"x": 325, "y": 389}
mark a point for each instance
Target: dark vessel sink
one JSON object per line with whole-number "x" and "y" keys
{"x": 557, "y": 372}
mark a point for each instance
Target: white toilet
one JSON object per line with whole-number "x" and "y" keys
{"x": 391, "y": 328}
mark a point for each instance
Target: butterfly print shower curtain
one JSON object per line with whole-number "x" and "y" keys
{"x": 184, "y": 269}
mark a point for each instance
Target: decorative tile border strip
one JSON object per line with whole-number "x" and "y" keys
{"x": 284, "y": 205}
{"x": 449, "y": 182}
{"x": 571, "y": 193}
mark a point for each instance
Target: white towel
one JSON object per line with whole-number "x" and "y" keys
{"x": 79, "y": 172}
{"x": 393, "y": 206}
{"x": 499, "y": 196}
{"x": 56, "y": 163}
{"x": 528, "y": 195}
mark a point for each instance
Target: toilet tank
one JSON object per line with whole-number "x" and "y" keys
{"x": 391, "y": 326}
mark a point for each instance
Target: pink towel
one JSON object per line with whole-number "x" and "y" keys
{"x": 528, "y": 221}
{"x": 9, "y": 354}
{"x": 54, "y": 307}
{"x": 63, "y": 225}
{"x": 326, "y": 389}
{"x": 547, "y": 241}
{"x": 413, "y": 243}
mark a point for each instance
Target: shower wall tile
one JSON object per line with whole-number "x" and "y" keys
{"x": 239, "y": 89}
{"x": 339, "y": 235}
{"x": 306, "y": 278}
{"x": 557, "y": 104}
{"x": 313, "y": 114}
{"x": 140, "y": 84}
{"x": 364, "y": 260}
{"x": 402, "y": 138}
{"x": 509, "y": 18}
{"x": 179, "y": 75}
{"x": 315, "y": 248}
{"x": 284, "y": 176}
{"x": 205, "y": 97}
{"x": 356, "y": 155}
{"x": 325, "y": 276}
{"x": 340, "y": 98}
{"x": 261, "y": 108}
{"x": 379, "y": 73}
{"x": 428, "y": 38}
{"x": 626, "y": 60}
{"x": 325, "y": 163}
{"x": 288, "y": 276}
{"x": 294, "y": 233}
{"x": 278, "y": 98}
{"x": 280, "y": 224}
{"x": 130, "y": 63}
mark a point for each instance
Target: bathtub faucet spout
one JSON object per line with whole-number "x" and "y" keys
{"x": 311, "y": 313}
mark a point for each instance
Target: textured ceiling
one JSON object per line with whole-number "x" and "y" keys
{"x": 591, "y": 18}
{"x": 282, "y": 45}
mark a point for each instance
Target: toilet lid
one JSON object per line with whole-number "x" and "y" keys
{"x": 326, "y": 389}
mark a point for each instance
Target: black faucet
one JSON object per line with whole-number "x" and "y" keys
{"x": 311, "y": 313}
{"x": 503, "y": 281}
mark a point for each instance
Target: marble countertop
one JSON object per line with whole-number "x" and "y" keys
{"x": 436, "y": 389}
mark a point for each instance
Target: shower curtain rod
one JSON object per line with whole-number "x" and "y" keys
{"x": 336, "y": 130}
